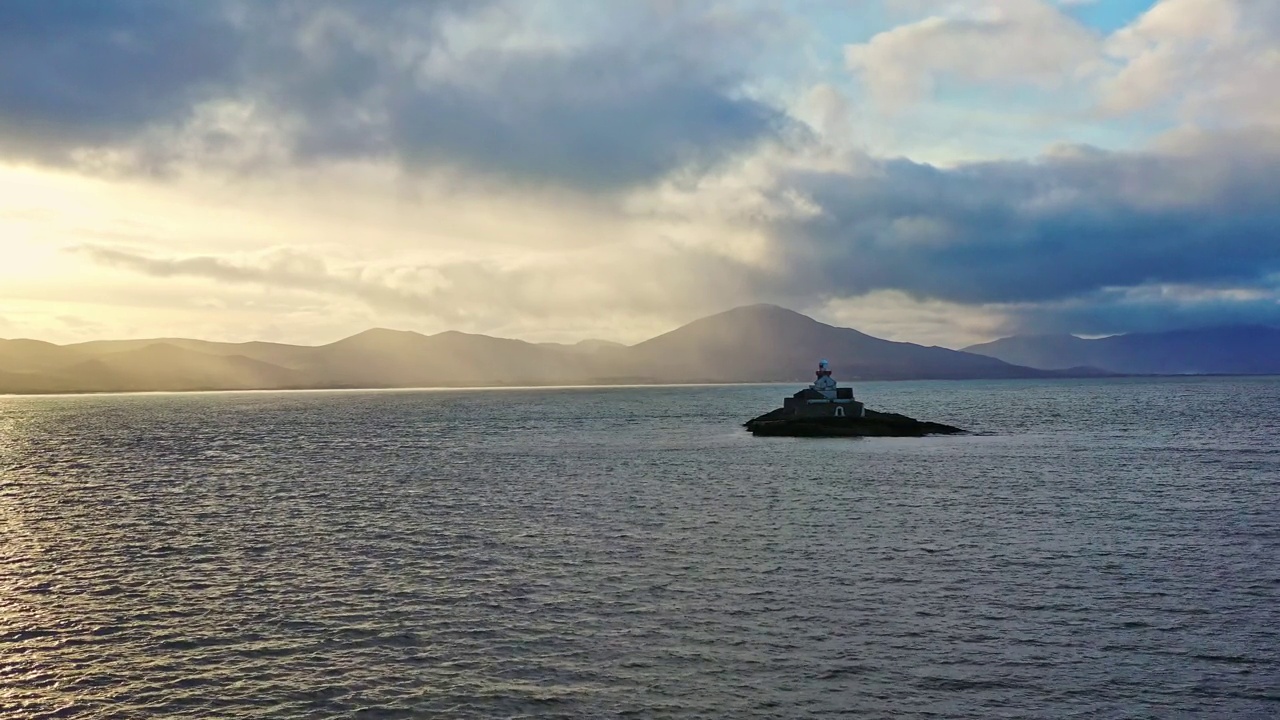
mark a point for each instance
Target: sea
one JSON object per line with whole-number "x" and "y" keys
{"x": 1103, "y": 548}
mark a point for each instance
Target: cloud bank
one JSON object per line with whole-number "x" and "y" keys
{"x": 428, "y": 84}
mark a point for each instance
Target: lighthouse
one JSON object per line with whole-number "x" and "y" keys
{"x": 824, "y": 409}
{"x": 824, "y": 398}
{"x": 825, "y": 384}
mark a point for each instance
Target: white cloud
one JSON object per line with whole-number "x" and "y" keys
{"x": 897, "y": 316}
{"x": 1207, "y": 63}
{"x": 1212, "y": 62}
{"x": 1008, "y": 43}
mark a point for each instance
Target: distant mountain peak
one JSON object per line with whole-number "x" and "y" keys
{"x": 384, "y": 332}
{"x": 764, "y": 310}
{"x": 27, "y": 343}
{"x": 758, "y": 315}
{"x": 595, "y": 344}
{"x": 379, "y": 340}
{"x": 1224, "y": 349}
{"x": 461, "y": 334}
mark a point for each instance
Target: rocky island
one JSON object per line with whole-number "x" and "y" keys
{"x": 826, "y": 410}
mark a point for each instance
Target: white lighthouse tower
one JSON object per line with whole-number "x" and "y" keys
{"x": 824, "y": 383}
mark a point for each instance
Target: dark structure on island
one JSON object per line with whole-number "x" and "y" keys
{"x": 826, "y": 410}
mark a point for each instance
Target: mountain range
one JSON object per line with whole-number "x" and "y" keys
{"x": 1227, "y": 350}
{"x": 758, "y": 343}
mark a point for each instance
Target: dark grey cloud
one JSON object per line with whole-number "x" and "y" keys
{"x": 1152, "y": 309}
{"x": 607, "y": 117}
{"x": 1064, "y": 226}
{"x": 78, "y": 74}
{"x": 374, "y": 80}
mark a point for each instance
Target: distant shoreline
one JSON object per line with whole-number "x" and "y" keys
{"x": 608, "y": 386}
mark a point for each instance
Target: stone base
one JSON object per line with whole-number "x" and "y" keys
{"x": 778, "y": 423}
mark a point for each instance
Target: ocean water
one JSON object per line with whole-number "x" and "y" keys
{"x": 1104, "y": 548}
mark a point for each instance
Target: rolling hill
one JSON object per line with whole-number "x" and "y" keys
{"x": 758, "y": 343}
{"x": 1229, "y": 350}
{"x": 765, "y": 343}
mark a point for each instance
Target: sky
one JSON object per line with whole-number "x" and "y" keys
{"x": 943, "y": 172}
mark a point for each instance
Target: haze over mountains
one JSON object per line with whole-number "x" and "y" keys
{"x": 1229, "y": 350}
{"x": 757, "y": 343}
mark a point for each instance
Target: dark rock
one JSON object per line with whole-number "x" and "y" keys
{"x": 777, "y": 423}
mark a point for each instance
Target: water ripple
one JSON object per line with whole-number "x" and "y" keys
{"x": 1102, "y": 549}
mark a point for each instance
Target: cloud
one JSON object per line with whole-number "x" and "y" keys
{"x": 146, "y": 84}
{"x": 1149, "y": 308}
{"x": 1059, "y": 241}
{"x": 1211, "y": 61}
{"x": 1206, "y": 63}
{"x": 1029, "y": 231}
{"x": 483, "y": 296}
{"x": 1009, "y": 43}
{"x": 75, "y": 75}
{"x": 281, "y": 268}
{"x": 1018, "y": 243}
{"x": 511, "y": 165}
{"x": 552, "y": 113}
{"x": 893, "y": 315}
